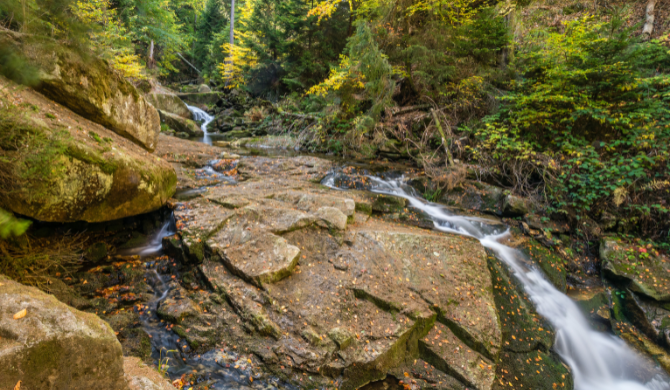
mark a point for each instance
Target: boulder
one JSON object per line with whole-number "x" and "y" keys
{"x": 168, "y": 101}
{"x": 53, "y": 346}
{"x": 79, "y": 170}
{"x": 204, "y": 89}
{"x": 639, "y": 268}
{"x": 514, "y": 206}
{"x": 180, "y": 124}
{"x": 89, "y": 87}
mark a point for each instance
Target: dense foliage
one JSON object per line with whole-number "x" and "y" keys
{"x": 587, "y": 120}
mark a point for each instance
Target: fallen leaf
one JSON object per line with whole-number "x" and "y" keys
{"x": 18, "y": 386}
{"x": 18, "y": 316}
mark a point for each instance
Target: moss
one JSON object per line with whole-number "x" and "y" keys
{"x": 522, "y": 328}
{"x": 94, "y": 158}
{"x": 534, "y": 370}
{"x": 552, "y": 265}
{"x": 388, "y": 204}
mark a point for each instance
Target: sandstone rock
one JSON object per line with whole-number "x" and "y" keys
{"x": 180, "y": 124}
{"x": 142, "y": 377}
{"x": 54, "y": 346}
{"x": 88, "y": 86}
{"x": 265, "y": 258}
{"x": 85, "y": 173}
{"x": 167, "y": 101}
{"x": 444, "y": 350}
{"x": 332, "y": 217}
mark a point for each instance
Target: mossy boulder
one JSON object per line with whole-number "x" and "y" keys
{"x": 54, "y": 346}
{"x": 639, "y": 268}
{"x": 474, "y": 195}
{"x": 181, "y": 124}
{"x": 77, "y": 170}
{"x": 90, "y": 87}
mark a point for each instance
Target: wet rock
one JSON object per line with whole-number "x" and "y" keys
{"x": 88, "y": 86}
{"x": 474, "y": 195}
{"x": 551, "y": 264}
{"x": 142, "y": 377}
{"x": 53, "y": 345}
{"x": 638, "y": 268}
{"x": 92, "y": 174}
{"x": 181, "y": 124}
{"x": 388, "y": 204}
{"x": 525, "y": 359}
{"x": 177, "y": 306}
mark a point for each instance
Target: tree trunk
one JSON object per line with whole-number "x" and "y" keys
{"x": 24, "y": 25}
{"x": 648, "y": 28}
{"x": 232, "y": 39}
{"x": 150, "y": 62}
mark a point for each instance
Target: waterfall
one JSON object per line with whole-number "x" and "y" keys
{"x": 598, "y": 361}
{"x": 201, "y": 116}
{"x": 154, "y": 243}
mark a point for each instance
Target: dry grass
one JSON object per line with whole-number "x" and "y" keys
{"x": 256, "y": 114}
{"x": 33, "y": 261}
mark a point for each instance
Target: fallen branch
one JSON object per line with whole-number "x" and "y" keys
{"x": 405, "y": 110}
{"x": 188, "y": 63}
{"x": 648, "y": 28}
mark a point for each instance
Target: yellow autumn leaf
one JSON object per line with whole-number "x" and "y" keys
{"x": 20, "y": 314}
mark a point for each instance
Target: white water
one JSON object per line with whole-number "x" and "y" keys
{"x": 155, "y": 242}
{"x": 598, "y": 361}
{"x": 201, "y": 116}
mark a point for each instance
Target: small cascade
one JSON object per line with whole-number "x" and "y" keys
{"x": 598, "y": 361}
{"x": 154, "y": 244}
{"x": 201, "y": 116}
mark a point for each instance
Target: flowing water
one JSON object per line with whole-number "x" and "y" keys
{"x": 598, "y": 361}
{"x": 201, "y": 116}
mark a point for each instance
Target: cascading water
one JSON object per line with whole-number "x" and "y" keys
{"x": 155, "y": 242}
{"x": 598, "y": 361}
{"x": 201, "y": 116}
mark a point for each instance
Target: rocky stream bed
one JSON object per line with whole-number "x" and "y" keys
{"x": 269, "y": 276}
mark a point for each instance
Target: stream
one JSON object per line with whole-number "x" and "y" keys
{"x": 598, "y": 361}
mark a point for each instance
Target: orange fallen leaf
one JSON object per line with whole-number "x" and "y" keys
{"x": 18, "y": 386}
{"x": 20, "y": 314}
